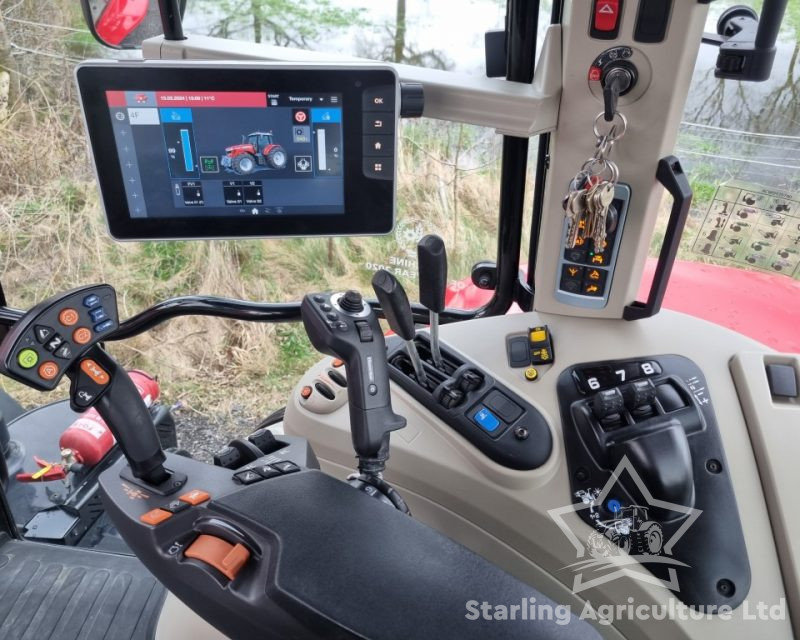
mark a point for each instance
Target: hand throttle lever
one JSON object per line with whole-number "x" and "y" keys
{"x": 397, "y": 311}
{"x": 344, "y": 325}
{"x": 432, "y": 264}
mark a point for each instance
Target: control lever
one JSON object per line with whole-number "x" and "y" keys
{"x": 97, "y": 380}
{"x": 432, "y": 264}
{"x": 397, "y": 310}
{"x": 345, "y": 326}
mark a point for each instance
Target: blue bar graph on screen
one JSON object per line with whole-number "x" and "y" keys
{"x": 187, "y": 150}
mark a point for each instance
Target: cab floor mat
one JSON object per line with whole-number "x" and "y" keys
{"x": 48, "y": 591}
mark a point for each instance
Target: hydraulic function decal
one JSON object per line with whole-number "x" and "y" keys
{"x": 751, "y": 225}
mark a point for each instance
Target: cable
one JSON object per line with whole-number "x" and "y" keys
{"x": 739, "y": 131}
{"x": 37, "y": 52}
{"x": 713, "y": 155}
{"x": 45, "y": 24}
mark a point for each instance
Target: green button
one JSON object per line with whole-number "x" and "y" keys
{"x": 27, "y": 358}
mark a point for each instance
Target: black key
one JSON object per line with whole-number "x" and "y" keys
{"x": 64, "y": 351}
{"x": 248, "y": 477}
{"x": 54, "y": 343}
{"x": 286, "y": 466}
{"x": 176, "y": 506}
{"x": 43, "y": 333}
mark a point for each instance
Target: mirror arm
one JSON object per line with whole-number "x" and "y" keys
{"x": 171, "y": 19}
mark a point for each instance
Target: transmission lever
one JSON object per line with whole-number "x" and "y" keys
{"x": 344, "y": 325}
{"x": 432, "y": 264}
{"x": 397, "y": 310}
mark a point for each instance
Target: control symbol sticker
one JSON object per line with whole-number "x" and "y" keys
{"x": 302, "y": 164}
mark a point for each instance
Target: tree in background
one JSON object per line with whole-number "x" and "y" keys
{"x": 281, "y": 22}
{"x": 393, "y": 45}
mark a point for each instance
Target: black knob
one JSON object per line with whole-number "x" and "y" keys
{"x": 395, "y": 304}
{"x": 451, "y": 397}
{"x": 351, "y": 301}
{"x": 607, "y": 403}
{"x": 639, "y": 394}
{"x": 469, "y": 381}
{"x": 432, "y": 261}
{"x": 412, "y": 99}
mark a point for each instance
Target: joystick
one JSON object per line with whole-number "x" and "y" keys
{"x": 432, "y": 260}
{"x": 61, "y": 335}
{"x": 397, "y": 310}
{"x": 345, "y": 326}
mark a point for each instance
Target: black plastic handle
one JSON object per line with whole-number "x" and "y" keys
{"x": 364, "y": 356}
{"x": 395, "y": 304}
{"x": 670, "y": 174}
{"x": 126, "y": 414}
{"x": 432, "y": 265}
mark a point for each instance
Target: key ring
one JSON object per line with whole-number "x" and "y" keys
{"x": 623, "y": 124}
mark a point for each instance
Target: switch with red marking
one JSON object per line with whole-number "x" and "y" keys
{"x": 605, "y": 19}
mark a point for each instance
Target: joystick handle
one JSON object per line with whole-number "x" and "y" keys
{"x": 337, "y": 327}
{"x": 98, "y": 380}
{"x": 432, "y": 261}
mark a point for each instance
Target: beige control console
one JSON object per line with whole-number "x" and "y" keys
{"x": 523, "y": 520}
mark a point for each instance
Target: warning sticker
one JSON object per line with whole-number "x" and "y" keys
{"x": 753, "y": 226}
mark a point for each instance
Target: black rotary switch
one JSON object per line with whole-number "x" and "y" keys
{"x": 352, "y": 302}
{"x": 607, "y": 403}
{"x": 638, "y": 394}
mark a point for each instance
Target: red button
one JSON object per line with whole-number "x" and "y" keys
{"x": 595, "y": 73}
{"x": 606, "y": 14}
{"x": 48, "y": 370}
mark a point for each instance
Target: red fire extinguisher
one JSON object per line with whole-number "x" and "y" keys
{"x": 89, "y": 437}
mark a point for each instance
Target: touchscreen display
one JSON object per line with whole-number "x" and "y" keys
{"x": 229, "y": 153}
{"x": 201, "y": 150}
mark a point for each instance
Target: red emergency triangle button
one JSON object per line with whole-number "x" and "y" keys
{"x": 606, "y": 15}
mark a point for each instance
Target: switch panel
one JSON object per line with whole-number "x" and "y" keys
{"x": 585, "y": 274}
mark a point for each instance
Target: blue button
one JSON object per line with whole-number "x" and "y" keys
{"x": 98, "y": 314}
{"x": 613, "y": 505}
{"x": 104, "y": 326}
{"x": 91, "y": 301}
{"x": 486, "y": 420}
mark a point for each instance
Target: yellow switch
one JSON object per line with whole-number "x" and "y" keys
{"x": 531, "y": 374}
{"x": 538, "y": 335}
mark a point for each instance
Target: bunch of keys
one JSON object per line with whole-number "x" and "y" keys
{"x": 591, "y": 192}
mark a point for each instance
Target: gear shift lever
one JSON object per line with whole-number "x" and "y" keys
{"x": 397, "y": 310}
{"x": 432, "y": 260}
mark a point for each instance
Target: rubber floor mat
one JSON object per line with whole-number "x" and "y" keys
{"x": 48, "y": 591}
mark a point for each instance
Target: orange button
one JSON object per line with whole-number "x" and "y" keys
{"x": 305, "y": 392}
{"x": 68, "y": 317}
{"x": 94, "y": 371}
{"x": 154, "y": 517}
{"x": 195, "y": 497}
{"x": 225, "y": 557}
{"x": 48, "y": 370}
{"x": 338, "y": 363}
{"x": 81, "y": 335}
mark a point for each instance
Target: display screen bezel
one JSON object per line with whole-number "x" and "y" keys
{"x": 369, "y": 203}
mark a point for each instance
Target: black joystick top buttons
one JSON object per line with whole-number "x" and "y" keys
{"x": 352, "y": 302}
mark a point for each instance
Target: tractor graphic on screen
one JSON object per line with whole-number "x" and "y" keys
{"x": 257, "y": 151}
